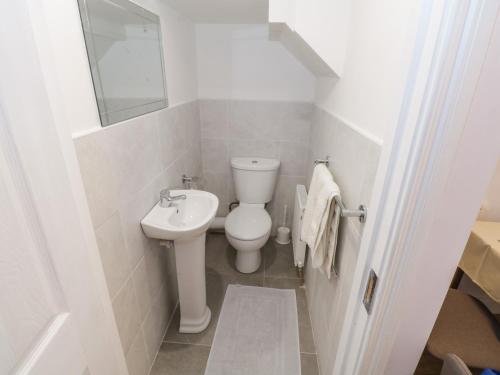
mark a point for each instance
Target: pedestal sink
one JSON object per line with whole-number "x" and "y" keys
{"x": 185, "y": 222}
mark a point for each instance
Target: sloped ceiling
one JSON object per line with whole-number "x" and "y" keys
{"x": 222, "y": 11}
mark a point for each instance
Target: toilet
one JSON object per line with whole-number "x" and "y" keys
{"x": 248, "y": 226}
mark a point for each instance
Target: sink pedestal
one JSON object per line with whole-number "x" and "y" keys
{"x": 190, "y": 262}
{"x": 185, "y": 221}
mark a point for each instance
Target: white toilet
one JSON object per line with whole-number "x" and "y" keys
{"x": 249, "y": 225}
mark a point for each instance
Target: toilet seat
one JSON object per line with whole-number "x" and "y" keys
{"x": 248, "y": 222}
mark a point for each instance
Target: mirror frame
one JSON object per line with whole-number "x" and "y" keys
{"x": 126, "y": 113}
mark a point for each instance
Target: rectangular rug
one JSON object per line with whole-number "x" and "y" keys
{"x": 257, "y": 333}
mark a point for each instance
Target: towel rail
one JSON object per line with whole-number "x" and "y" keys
{"x": 325, "y": 161}
{"x": 361, "y": 212}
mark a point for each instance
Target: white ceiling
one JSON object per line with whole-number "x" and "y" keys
{"x": 222, "y": 11}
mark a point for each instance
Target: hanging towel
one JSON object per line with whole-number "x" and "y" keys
{"x": 321, "y": 219}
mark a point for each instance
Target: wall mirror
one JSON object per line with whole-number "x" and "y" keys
{"x": 125, "y": 53}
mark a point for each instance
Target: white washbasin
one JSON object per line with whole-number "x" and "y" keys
{"x": 184, "y": 219}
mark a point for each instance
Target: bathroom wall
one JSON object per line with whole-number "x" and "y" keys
{"x": 239, "y": 62}
{"x": 353, "y": 163}
{"x": 123, "y": 168}
{"x": 354, "y": 121}
{"x": 379, "y": 51}
{"x": 298, "y": 23}
{"x": 490, "y": 208}
{"x": 72, "y": 68}
{"x": 255, "y": 100}
{"x": 274, "y": 129}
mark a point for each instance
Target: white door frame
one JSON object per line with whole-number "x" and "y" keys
{"x": 434, "y": 171}
{"x": 36, "y": 131}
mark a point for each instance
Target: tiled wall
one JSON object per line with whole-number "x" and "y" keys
{"x": 125, "y": 166}
{"x": 353, "y": 162}
{"x": 123, "y": 169}
{"x": 272, "y": 129}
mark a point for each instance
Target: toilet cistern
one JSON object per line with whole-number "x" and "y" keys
{"x": 248, "y": 226}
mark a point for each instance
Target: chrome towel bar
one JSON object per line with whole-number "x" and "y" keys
{"x": 325, "y": 161}
{"x": 361, "y": 212}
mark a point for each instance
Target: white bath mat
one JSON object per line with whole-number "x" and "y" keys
{"x": 257, "y": 333}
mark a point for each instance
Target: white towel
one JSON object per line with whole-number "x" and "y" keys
{"x": 321, "y": 219}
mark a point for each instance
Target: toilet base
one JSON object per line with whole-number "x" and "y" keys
{"x": 248, "y": 261}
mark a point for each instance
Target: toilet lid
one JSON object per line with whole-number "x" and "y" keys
{"x": 248, "y": 223}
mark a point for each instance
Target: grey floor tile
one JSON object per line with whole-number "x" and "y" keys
{"x": 216, "y": 290}
{"x": 305, "y": 329}
{"x": 173, "y": 335}
{"x": 181, "y": 359}
{"x": 282, "y": 283}
{"x": 309, "y": 364}
{"x": 278, "y": 260}
{"x": 186, "y": 354}
{"x": 220, "y": 257}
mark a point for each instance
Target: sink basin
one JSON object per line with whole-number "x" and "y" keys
{"x": 185, "y": 222}
{"x": 184, "y": 218}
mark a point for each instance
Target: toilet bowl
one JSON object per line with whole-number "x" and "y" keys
{"x": 248, "y": 227}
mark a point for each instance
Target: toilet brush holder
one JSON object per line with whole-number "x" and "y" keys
{"x": 283, "y": 236}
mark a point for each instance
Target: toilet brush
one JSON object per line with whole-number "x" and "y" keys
{"x": 283, "y": 235}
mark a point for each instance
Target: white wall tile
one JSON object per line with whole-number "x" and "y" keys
{"x": 193, "y": 121}
{"x": 214, "y": 118}
{"x": 261, "y": 148}
{"x": 242, "y": 119}
{"x": 137, "y": 357}
{"x": 134, "y": 153}
{"x": 98, "y": 177}
{"x": 155, "y": 268}
{"x": 140, "y": 280}
{"x": 215, "y": 156}
{"x": 127, "y": 314}
{"x": 353, "y": 162}
{"x": 284, "y": 195}
{"x": 170, "y": 147}
{"x": 155, "y": 324}
{"x": 216, "y": 183}
{"x": 124, "y": 167}
{"x": 294, "y": 157}
{"x": 192, "y": 162}
{"x": 296, "y": 122}
{"x": 114, "y": 254}
{"x": 173, "y": 174}
{"x": 132, "y": 212}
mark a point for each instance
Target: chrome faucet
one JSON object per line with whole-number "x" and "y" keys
{"x": 166, "y": 198}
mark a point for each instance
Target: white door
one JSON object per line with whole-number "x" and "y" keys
{"x": 55, "y": 314}
{"x": 436, "y": 169}
{"x": 37, "y": 332}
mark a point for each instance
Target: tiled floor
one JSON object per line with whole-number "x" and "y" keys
{"x": 187, "y": 354}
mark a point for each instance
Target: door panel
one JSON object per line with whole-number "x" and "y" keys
{"x": 38, "y": 336}
{"x": 55, "y": 314}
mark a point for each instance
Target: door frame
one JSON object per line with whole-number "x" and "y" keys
{"x": 448, "y": 114}
{"x": 36, "y": 138}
